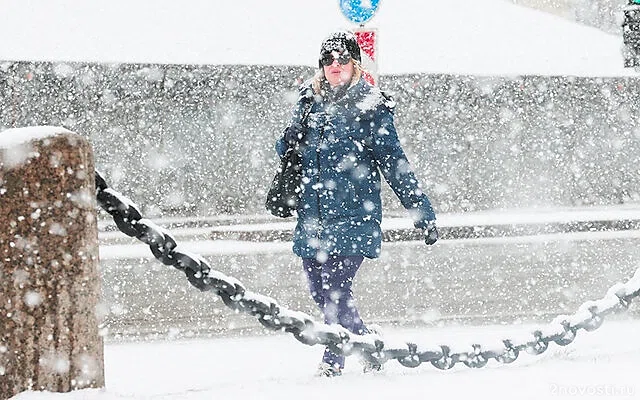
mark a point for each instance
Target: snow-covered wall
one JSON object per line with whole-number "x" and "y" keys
{"x": 198, "y": 140}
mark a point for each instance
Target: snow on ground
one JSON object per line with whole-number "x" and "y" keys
{"x": 599, "y": 364}
{"x": 487, "y": 37}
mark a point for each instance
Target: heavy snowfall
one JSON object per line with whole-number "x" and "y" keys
{"x": 519, "y": 119}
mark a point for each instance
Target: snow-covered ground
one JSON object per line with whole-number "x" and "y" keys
{"x": 487, "y": 37}
{"x": 599, "y": 364}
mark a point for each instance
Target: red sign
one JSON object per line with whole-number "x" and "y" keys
{"x": 368, "y": 42}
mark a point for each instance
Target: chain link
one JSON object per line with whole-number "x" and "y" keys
{"x": 271, "y": 315}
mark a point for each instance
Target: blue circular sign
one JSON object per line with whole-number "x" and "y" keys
{"x": 359, "y": 11}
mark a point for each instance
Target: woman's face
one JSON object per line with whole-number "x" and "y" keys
{"x": 337, "y": 73}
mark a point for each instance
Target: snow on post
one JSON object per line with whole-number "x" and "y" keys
{"x": 49, "y": 282}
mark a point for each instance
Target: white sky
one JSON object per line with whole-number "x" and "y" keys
{"x": 484, "y": 37}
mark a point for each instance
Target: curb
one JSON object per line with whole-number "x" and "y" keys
{"x": 446, "y": 232}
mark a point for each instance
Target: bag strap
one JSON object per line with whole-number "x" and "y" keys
{"x": 308, "y": 104}
{"x": 306, "y": 111}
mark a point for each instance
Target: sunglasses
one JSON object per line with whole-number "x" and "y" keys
{"x": 327, "y": 58}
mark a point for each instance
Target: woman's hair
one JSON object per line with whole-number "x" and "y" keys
{"x": 319, "y": 77}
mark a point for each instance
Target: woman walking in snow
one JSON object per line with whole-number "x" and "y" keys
{"x": 344, "y": 130}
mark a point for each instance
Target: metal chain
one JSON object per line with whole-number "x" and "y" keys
{"x": 372, "y": 347}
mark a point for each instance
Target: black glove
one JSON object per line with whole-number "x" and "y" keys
{"x": 294, "y": 133}
{"x": 430, "y": 233}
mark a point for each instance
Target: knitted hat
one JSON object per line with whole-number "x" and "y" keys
{"x": 340, "y": 41}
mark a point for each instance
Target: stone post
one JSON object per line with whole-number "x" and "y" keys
{"x": 49, "y": 281}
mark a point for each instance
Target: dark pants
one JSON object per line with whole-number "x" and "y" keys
{"x": 330, "y": 286}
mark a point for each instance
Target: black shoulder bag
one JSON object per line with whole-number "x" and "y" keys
{"x": 284, "y": 192}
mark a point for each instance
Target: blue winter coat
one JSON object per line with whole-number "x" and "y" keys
{"x": 348, "y": 143}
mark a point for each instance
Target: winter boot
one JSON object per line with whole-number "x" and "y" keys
{"x": 368, "y": 365}
{"x": 328, "y": 370}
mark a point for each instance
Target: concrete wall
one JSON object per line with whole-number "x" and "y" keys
{"x": 172, "y": 136}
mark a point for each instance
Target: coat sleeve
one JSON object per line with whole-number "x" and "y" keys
{"x": 395, "y": 167}
{"x": 305, "y": 96}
